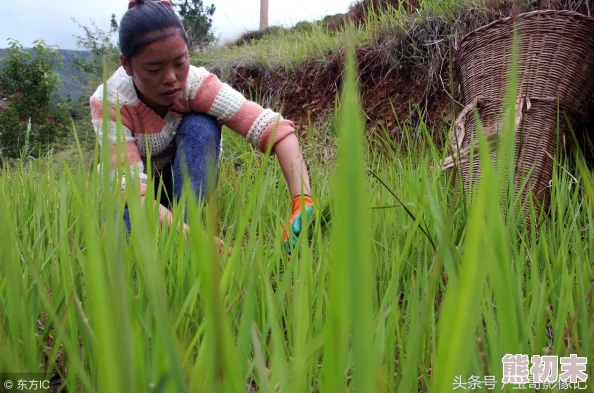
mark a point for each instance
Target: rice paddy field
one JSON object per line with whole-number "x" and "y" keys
{"x": 402, "y": 283}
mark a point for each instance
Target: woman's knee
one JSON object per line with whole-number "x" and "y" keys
{"x": 127, "y": 223}
{"x": 200, "y": 126}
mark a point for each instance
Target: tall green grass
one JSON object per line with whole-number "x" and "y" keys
{"x": 285, "y": 49}
{"x": 409, "y": 285}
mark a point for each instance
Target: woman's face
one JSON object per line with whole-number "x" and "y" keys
{"x": 160, "y": 70}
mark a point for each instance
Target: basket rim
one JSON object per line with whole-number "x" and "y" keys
{"x": 526, "y": 15}
{"x": 510, "y": 20}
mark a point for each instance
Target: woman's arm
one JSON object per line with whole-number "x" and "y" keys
{"x": 207, "y": 94}
{"x": 293, "y": 166}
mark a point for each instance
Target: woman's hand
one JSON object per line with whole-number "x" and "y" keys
{"x": 166, "y": 217}
{"x": 296, "y": 221}
{"x": 219, "y": 245}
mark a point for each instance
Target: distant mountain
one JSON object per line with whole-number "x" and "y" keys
{"x": 70, "y": 86}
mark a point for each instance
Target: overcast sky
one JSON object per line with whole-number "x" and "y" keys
{"x": 28, "y": 20}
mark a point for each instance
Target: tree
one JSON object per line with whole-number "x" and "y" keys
{"x": 101, "y": 53}
{"x": 197, "y": 22}
{"x": 31, "y": 120}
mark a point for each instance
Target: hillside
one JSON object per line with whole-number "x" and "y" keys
{"x": 405, "y": 56}
{"x": 70, "y": 86}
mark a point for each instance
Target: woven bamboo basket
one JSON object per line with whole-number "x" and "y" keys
{"x": 556, "y": 93}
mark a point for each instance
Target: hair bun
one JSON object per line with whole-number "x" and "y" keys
{"x": 133, "y": 3}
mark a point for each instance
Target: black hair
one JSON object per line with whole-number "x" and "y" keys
{"x": 145, "y": 23}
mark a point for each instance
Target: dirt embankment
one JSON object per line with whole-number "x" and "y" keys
{"x": 309, "y": 94}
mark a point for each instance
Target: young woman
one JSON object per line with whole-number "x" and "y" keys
{"x": 173, "y": 112}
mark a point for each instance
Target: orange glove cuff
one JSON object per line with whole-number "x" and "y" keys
{"x": 296, "y": 205}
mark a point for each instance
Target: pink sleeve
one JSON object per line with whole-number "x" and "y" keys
{"x": 247, "y": 118}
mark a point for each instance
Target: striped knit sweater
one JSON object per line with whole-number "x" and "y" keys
{"x": 146, "y": 133}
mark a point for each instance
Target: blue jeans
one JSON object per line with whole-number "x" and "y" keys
{"x": 198, "y": 142}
